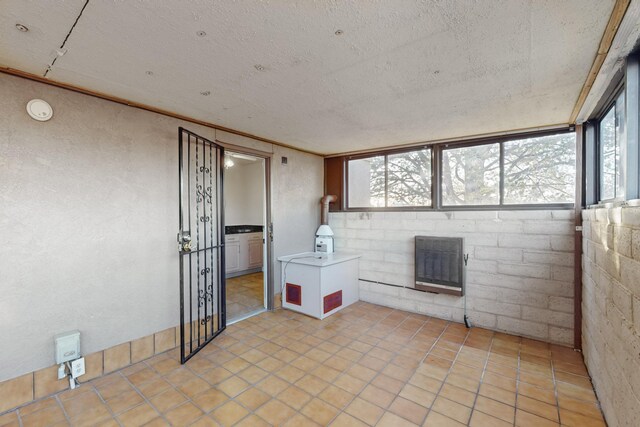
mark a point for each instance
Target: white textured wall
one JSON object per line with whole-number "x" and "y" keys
{"x": 519, "y": 277}
{"x": 297, "y": 189}
{"x": 611, "y": 310}
{"x": 244, "y": 194}
{"x": 88, "y": 216}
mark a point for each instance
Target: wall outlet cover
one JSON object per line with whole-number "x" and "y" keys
{"x": 77, "y": 368}
{"x": 67, "y": 346}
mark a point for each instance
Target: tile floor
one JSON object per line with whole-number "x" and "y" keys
{"x": 367, "y": 365}
{"x": 245, "y": 295}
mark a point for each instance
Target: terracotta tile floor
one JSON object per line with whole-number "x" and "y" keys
{"x": 245, "y": 295}
{"x": 367, "y": 365}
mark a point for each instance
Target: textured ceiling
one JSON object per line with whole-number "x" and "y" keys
{"x": 401, "y": 72}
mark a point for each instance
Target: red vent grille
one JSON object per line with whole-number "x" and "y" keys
{"x": 294, "y": 294}
{"x": 332, "y": 301}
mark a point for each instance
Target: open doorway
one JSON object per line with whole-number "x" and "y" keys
{"x": 245, "y": 211}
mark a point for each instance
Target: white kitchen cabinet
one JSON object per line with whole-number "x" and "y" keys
{"x": 232, "y": 254}
{"x": 243, "y": 252}
{"x": 255, "y": 251}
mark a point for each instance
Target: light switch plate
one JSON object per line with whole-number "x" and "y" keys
{"x": 77, "y": 368}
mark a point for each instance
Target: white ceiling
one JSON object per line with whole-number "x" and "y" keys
{"x": 402, "y": 71}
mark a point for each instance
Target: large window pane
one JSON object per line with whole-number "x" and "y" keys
{"x": 612, "y": 137}
{"x": 471, "y": 175}
{"x": 366, "y": 182}
{"x": 609, "y": 154}
{"x": 621, "y": 142}
{"x": 409, "y": 178}
{"x": 540, "y": 170}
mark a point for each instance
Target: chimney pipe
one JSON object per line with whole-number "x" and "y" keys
{"x": 324, "y": 213}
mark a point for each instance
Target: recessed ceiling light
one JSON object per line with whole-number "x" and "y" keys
{"x": 259, "y": 67}
{"x": 205, "y": 93}
{"x": 339, "y": 32}
{"x": 149, "y": 73}
{"x": 201, "y": 33}
{"x": 22, "y": 28}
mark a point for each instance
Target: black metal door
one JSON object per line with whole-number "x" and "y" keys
{"x": 201, "y": 243}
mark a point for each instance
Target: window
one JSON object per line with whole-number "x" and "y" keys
{"x": 540, "y": 169}
{"x": 536, "y": 170}
{"x": 393, "y": 180}
{"x": 409, "y": 178}
{"x": 471, "y": 175}
{"x": 366, "y": 182}
{"x": 611, "y": 134}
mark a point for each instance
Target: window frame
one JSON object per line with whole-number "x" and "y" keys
{"x": 436, "y": 175}
{"x": 609, "y": 105}
{"x": 385, "y": 154}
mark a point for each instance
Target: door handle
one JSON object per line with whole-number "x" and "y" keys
{"x": 184, "y": 240}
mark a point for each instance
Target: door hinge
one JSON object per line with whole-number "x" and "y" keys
{"x": 578, "y": 228}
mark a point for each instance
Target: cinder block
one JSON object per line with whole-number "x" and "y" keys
{"x": 484, "y": 266}
{"x": 551, "y": 287}
{"x": 486, "y": 292}
{"x": 563, "y": 243}
{"x": 622, "y": 240}
{"x": 551, "y": 317}
{"x": 566, "y": 259}
{"x": 495, "y": 307}
{"x": 483, "y": 320}
{"x": 630, "y": 274}
{"x": 561, "y": 304}
{"x": 566, "y": 214}
{"x": 498, "y": 254}
{"x": 549, "y": 227}
{"x": 526, "y": 270}
{"x": 561, "y": 335}
{"x": 531, "y": 297}
{"x": 456, "y": 226}
{"x": 539, "y": 215}
{"x": 635, "y": 244}
{"x": 562, "y": 273}
{"x": 530, "y": 242}
{"x": 523, "y": 327}
{"x": 622, "y": 299}
{"x": 500, "y": 226}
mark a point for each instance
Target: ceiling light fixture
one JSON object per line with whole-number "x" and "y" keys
{"x": 228, "y": 163}
{"x": 339, "y": 32}
{"x": 243, "y": 157}
{"x": 39, "y": 110}
{"x": 205, "y": 93}
{"x": 201, "y": 33}
{"x": 259, "y": 67}
{"x": 22, "y": 28}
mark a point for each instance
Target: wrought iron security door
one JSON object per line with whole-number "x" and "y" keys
{"x": 201, "y": 243}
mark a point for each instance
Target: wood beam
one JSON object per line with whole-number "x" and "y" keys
{"x": 619, "y": 9}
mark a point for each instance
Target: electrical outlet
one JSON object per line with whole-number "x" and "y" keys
{"x": 77, "y": 368}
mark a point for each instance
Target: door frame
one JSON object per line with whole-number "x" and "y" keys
{"x": 268, "y": 231}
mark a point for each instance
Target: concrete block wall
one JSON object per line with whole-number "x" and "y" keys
{"x": 611, "y": 309}
{"x": 519, "y": 277}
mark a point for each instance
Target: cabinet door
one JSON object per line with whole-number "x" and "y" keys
{"x": 255, "y": 253}
{"x": 232, "y": 256}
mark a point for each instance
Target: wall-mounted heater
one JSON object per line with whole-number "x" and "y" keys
{"x": 440, "y": 264}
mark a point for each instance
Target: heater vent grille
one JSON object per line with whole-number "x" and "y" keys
{"x": 439, "y": 264}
